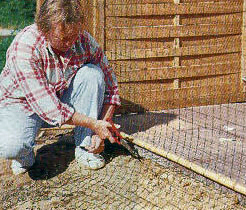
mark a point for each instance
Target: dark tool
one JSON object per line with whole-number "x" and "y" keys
{"x": 123, "y": 142}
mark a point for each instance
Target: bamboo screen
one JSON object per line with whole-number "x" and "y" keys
{"x": 175, "y": 54}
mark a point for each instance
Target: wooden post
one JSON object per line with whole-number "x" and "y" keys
{"x": 176, "y": 60}
{"x": 99, "y": 22}
{"x": 94, "y": 19}
{"x": 243, "y": 57}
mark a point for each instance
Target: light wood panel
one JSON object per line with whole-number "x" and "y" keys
{"x": 183, "y": 97}
{"x": 163, "y": 52}
{"x": 172, "y": 31}
{"x": 180, "y": 72}
{"x": 127, "y": 10}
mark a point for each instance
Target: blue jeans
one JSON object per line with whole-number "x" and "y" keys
{"x": 18, "y": 130}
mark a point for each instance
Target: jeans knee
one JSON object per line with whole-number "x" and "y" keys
{"x": 92, "y": 74}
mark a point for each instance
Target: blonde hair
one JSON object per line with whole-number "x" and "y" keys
{"x": 58, "y": 11}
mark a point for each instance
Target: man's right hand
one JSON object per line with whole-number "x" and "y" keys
{"x": 101, "y": 128}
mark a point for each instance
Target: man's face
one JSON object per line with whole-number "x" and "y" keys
{"x": 62, "y": 37}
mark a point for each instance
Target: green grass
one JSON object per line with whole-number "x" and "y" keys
{"x": 4, "y": 44}
{"x": 14, "y": 14}
{"x": 17, "y": 13}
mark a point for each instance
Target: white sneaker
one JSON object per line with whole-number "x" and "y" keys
{"x": 17, "y": 168}
{"x": 89, "y": 160}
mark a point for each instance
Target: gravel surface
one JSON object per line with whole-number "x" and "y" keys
{"x": 57, "y": 182}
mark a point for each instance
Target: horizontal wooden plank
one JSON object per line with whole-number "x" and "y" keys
{"x": 109, "y": 2}
{"x": 122, "y": 45}
{"x": 234, "y": 18}
{"x": 209, "y": 59}
{"x": 172, "y": 31}
{"x": 209, "y": 1}
{"x": 159, "y": 104}
{"x": 120, "y": 66}
{"x": 185, "y": 97}
{"x": 212, "y": 80}
{"x": 134, "y": 21}
{"x": 126, "y": 10}
{"x": 177, "y": 52}
{"x": 164, "y": 73}
{"x": 210, "y": 40}
{"x": 138, "y": 21}
{"x": 135, "y": 88}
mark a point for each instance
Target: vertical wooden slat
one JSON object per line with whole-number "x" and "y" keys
{"x": 243, "y": 57}
{"x": 99, "y": 21}
{"x": 176, "y": 61}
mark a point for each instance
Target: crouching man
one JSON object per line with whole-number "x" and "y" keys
{"x": 56, "y": 73}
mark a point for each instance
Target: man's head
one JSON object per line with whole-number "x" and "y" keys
{"x": 60, "y": 21}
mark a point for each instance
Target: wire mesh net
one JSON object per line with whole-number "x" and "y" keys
{"x": 180, "y": 69}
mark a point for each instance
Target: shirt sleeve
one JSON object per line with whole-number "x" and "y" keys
{"x": 39, "y": 94}
{"x": 99, "y": 58}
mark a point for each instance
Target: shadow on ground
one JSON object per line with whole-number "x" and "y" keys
{"x": 140, "y": 122}
{"x": 135, "y": 118}
{"x": 53, "y": 159}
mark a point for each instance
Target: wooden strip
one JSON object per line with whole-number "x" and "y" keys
{"x": 168, "y": 20}
{"x": 138, "y": 21}
{"x": 163, "y": 52}
{"x": 180, "y": 72}
{"x": 122, "y": 45}
{"x": 235, "y": 18}
{"x": 213, "y": 80}
{"x": 157, "y": 63}
{"x": 117, "y": 2}
{"x": 184, "y": 97}
{"x": 208, "y": 40}
{"x": 99, "y": 21}
{"x": 243, "y": 56}
{"x": 173, "y": 9}
{"x": 209, "y": 1}
{"x": 209, "y": 59}
{"x": 158, "y": 86}
{"x": 172, "y": 31}
{"x": 176, "y": 44}
{"x": 109, "y": 2}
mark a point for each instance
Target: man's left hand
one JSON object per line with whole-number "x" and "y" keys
{"x": 97, "y": 145}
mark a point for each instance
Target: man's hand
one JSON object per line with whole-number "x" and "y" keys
{"x": 101, "y": 128}
{"x": 97, "y": 145}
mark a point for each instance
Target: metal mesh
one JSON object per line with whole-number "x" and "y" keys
{"x": 179, "y": 64}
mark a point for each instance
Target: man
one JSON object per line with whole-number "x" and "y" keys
{"x": 56, "y": 73}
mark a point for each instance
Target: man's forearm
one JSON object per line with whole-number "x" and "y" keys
{"x": 81, "y": 120}
{"x": 107, "y": 112}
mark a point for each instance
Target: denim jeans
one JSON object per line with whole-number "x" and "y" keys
{"x": 18, "y": 130}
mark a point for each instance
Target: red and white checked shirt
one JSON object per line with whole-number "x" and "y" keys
{"x": 33, "y": 74}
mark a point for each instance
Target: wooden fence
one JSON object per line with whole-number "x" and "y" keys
{"x": 172, "y": 53}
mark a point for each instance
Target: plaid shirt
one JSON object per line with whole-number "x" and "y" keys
{"x": 34, "y": 77}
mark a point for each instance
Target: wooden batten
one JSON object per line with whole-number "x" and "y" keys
{"x": 243, "y": 46}
{"x": 172, "y": 31}
{"x": 175, "y": 8}
{"x": 96, "y": 19}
